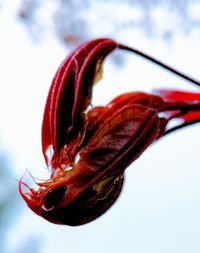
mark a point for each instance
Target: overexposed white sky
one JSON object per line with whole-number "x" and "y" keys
{"x": 158, "y": 210}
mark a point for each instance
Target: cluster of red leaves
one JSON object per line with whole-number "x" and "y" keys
{"x": 92, "y": 147}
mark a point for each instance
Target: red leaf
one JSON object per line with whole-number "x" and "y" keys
{"x": 190, "y": 98}
{"x": 69, "y": 97}
{"x": 92, "y": 148}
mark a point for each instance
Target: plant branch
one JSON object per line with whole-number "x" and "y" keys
{"x": 159, "y": 63}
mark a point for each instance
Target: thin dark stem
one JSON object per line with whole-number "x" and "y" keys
{"x": 183, "y": 109}
{"x": 181, "y": 126}
{"x": 174, "y": 71}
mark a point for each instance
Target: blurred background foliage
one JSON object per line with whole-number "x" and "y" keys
{"x": 73, "y": 21}
{"x": 7, "y": 197}
{"x": 10, "y": 209}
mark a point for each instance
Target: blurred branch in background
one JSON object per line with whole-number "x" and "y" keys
{"x": 74, "y": 21}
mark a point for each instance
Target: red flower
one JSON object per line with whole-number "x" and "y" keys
{"x": 93, "y": 147}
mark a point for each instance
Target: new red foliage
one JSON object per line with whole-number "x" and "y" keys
{"x": 92, "y": 147}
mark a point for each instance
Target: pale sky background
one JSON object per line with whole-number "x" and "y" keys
{"x": 159, "y": 208}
